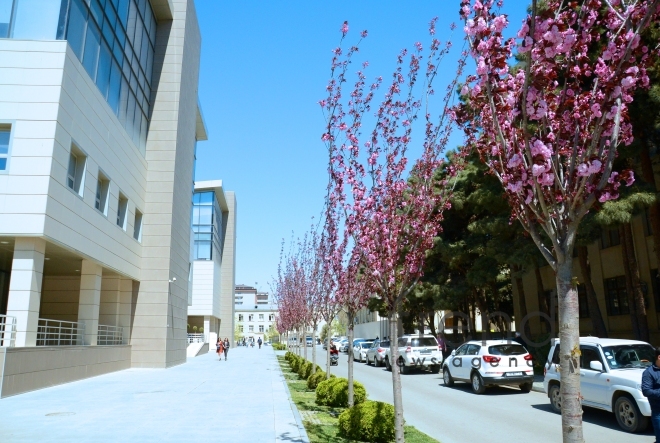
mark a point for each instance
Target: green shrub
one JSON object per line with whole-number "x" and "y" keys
{"x": 371, "y": 421}
{"x": 305, "y": 370}
{"x": 314, "y": 379}
{"x": 295, "y": 364}
{"x": 279, "y": 346}
{"x": 334, "y": 392}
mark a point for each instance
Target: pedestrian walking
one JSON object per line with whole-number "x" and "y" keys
{"x": 225, "y": 347}
{"x": 259, "y": 342}
{"x": 651, "y": 390}
{"x": 442, "y": 345}
{"x": 219, "y": 348}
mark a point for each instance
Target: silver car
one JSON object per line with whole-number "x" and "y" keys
{"x": 360, "y": 350}
{"x": 376, "y": 353}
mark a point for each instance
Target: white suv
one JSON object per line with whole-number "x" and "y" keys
{"x": 485, "y": 363}
{"x": 416, "y": 351}
{"x": 610, "y": 378}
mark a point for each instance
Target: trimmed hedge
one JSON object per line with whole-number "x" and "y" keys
{"x": 305, "y": 370}
{"x": 316, "y": 378}
{"x": 371, "y": 421}
{"x": 279, "y": 346}
{"x": 334, "y": 392}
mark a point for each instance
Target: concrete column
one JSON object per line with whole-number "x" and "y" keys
{"x": 25, "y": 288}
{"x": 125, "y": 304}
{"x": 207, "y": 328}
{"x": 91, "y": 275}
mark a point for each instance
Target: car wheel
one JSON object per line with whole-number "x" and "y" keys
{"x": 387, "y": 364}
{"x": 404, "y": 369}
{"x": 446, "y": 377}
{"x": 526, "y": 387}
{"x": 555, "y": 398}
{"x": 376, "y": 362}
{"x": 435, "y": 369}
{"x": 628, "y": 415}
{"x": 478, "y": 384}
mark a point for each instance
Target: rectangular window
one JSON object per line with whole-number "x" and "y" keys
{"x": 261, "y": 317}
{"x": 251, "y": 328}
{"x": 122, "y": 206}
{"x": 76, "y": 171}
{"x": 5, "y": 134}
{"x": 251, "y": 317}
{"x": 240, "y": 328}
{"x": 582, "y": 300}
{"x": 261, "y": 328}
{"x": 137, "y": 226}
{"x": 28, "y": 25}
{"x": 616, "y": 295}
{"x": 270, "y": 317}
{"x": 240, "y": 317}
{"x": 609, "y": 237}
{"x": 102, "y": 190}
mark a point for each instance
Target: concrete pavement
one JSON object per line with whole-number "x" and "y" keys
{"x": 244, "y": 399}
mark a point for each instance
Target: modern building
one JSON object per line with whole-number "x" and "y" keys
{"x": 608, "y": 278}
{"x": 99, "y": 120}
{"x": 254, "y": 314}
{"x": 213, "y": 265}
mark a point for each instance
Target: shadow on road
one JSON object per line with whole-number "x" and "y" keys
{"x": 597, "y": 417}
{"x": 494, "y": 390}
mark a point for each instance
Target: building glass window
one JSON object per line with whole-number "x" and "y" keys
{"x": 5, "y": 132}
{"x": 113, "y": 39}
{"x": 240, "y": 328}
{"x": 616, "y": 295}
{"x": 137, "y": 226}
{"x": 609, "y": 237}
{"x": 251, "y": 317}
{"x": 271, "y": 317}
{"x": 261, "y": 328}
{"x": 582, "y": 300}
{"x": 207, "y": 225}
{"x": 240, "y": 317}
{"x": 122, "y": 206}
{"x": 251, "y": 328}
{"x": 261, "y": 317}
{"x": 101, "y": 200}
{"x": 76, "y": 171}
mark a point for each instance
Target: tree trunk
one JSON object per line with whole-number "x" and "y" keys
{"x": 314, "y": 348}
{"x": 654, "y": 210}
{"x": 431, "y": 319}
{"x": 522, "y": 304}
{"x": 483, "y": 311}
{"x": 569, "y": 335}
{"x": 351, "y": 335}
{"x": 327, "y": 356}
{"x": 638, "y": 296}
{"x": 396, "y": 380}
{"x": 594, "y": 310}
{"x": 630, "y": 289}
{"x": 454, "y": 326}
{"x": 544, "y": 306}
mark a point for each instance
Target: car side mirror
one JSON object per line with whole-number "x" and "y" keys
{"x": 596, "y": 366}
{"x": 453, "y": 353}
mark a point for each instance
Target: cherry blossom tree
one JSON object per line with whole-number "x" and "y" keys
{"x": 549, "y": 129}
{"x": 392, "y": 208}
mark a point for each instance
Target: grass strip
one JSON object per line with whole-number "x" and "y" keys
{"x": 321, "y": 421}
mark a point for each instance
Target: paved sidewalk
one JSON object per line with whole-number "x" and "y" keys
{"x": 243, "y": 399}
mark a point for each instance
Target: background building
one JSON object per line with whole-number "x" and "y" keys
{"x": 254, "y": 314}
{"x": 99, "y": 119}
{"x": 214, "y": 258}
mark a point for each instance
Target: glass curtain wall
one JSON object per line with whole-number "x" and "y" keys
{"x": 113, "y": 39}
{"x": 207, "y": 225}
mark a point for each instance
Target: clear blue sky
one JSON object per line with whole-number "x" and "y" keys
{"x": 264, "y": 67}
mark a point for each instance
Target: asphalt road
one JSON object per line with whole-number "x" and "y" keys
{"x": 502, "y": 414}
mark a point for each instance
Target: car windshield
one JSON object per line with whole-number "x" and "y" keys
{"x": 366, "y": 344}
{"x": 629, "y": 356}
{"x": 507, "y": 350}
{"x": 423, "y": 342}
{"x": 385, "y": 344}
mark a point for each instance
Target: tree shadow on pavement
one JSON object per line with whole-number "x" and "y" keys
{"x": 493, "y": 390}
{"x": 597, "y": 417}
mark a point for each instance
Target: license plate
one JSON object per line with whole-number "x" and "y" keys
{"x": 424, "y": 352}
{"x": 514, "y": 374}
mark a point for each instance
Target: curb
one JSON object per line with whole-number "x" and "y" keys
{"x": 304, "y": 438}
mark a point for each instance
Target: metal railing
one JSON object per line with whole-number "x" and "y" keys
{"x": 59, "y": 333}
{"x": 7, "y": 331}
{"x": 110, "y": 335}
{"x": 197, "y": 338}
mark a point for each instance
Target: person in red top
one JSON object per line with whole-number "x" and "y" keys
{"x": 219, "y": 348}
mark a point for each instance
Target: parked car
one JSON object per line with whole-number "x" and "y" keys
{"x": 360, "y": 350}
{"x": 485, "y": 363}
{"x": 376, "y": 353}
{"x": 309, "y": 342}
{"x": 416, "y": 351}
{"x": 610, "y": 378}
{"x": 343, "y": 346}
